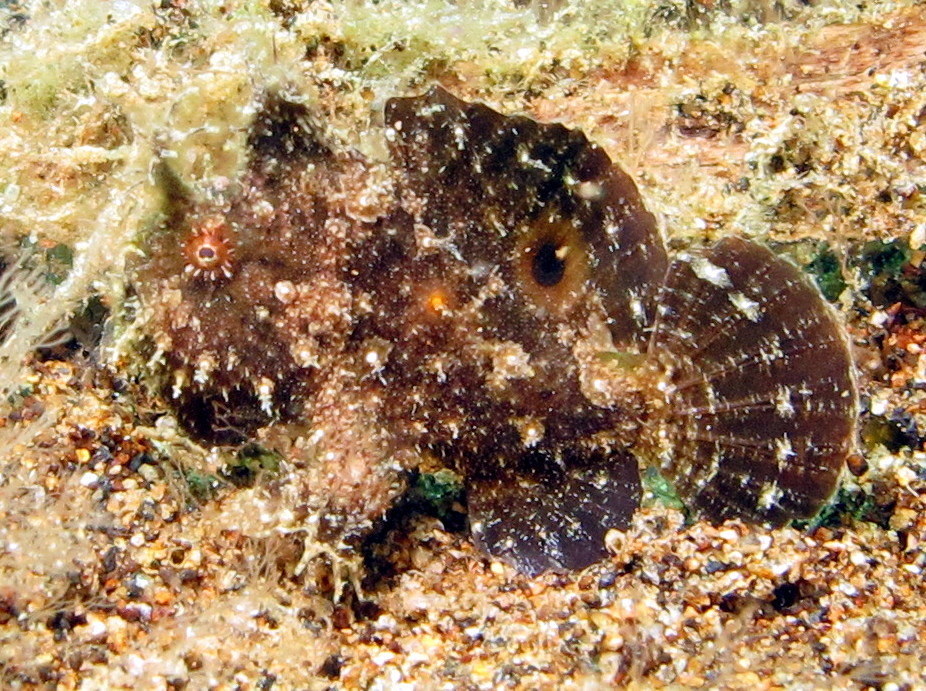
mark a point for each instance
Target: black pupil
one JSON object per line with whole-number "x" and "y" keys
{"x": 548, "y": 268}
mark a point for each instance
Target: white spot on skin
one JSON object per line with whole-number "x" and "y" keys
{"x": 770, "y": 496}
{"x": 749, "y": 308}
{"x": 783, "y": 451}
{"x": 783, "y": 402}
{"x": 306, "y": 357}
{"x": 509, "y": 361}
{"x": 376, "y": 355}
{"x": 525, "y": 159}
{"x": 179, "y": 382}
{"x": 531, "y": 432}
{"x": 712, "y": 470}
{"x": 707, "y": 271}
{"x": 284, "y": 291}
{"x": 590, "y": 191}
{"x": 636, "y": 310}
{"x": 263, "y": 208}
{"x": 265, "y": 395}
{"x": 204, "y": 369}
{"x": 460, "y": 135}
{"x": 771, "y": 349}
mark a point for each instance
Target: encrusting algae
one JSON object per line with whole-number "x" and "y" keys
{"x": 460, "y": 303}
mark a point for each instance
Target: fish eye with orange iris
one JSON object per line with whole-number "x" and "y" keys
{"x": 505, "y": 307}
{"x": 209, "y": 250}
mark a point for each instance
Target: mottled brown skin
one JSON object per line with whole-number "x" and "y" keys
{"x": 460, "y": 303}
{"x": 276, "y": 327}
{"x": 283, "y": 313}
{"x": 532, "y": 238}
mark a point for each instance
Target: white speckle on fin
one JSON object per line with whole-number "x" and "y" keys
{"x": 710, "y": 272}
{"x": 750, "y": 308}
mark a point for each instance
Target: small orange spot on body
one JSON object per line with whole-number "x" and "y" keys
{"x": 432, "y": 303}
{"x": 437, "y": 302}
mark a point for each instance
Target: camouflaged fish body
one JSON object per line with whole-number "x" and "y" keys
{"x": 509, "y": 308}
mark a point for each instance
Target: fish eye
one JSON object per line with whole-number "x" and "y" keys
{"x": 210, "y": 250}
{"x": 549, "y": 263}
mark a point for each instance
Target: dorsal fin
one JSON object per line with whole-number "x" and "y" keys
{"x": 762, "y": 402}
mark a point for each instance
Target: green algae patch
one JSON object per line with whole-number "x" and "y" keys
{"x": 892, "y": 276}
{"x": 820, "y": 260}
{"x": 851, "y": 504}
{"x": 437, "y": 493}
{"x": 662, "y": 491}
{"x": 250, "y": 463}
